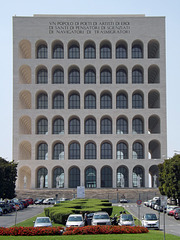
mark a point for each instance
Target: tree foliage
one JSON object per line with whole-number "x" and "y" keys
{"x": 169, "y": 177}
{"x": 8, "y": 174}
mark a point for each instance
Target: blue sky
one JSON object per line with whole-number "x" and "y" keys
{"x": 169, "y": 9}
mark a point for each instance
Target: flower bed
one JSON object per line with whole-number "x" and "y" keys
{"x": 30, "y": 231}
{"x": 104, "y": 230}
{"x": 34, "y": 231}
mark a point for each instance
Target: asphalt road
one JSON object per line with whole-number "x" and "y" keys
{"x": 9, "y": 219}
{"x": 172, "y": 225}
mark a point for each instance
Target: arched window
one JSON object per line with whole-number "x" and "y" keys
{"x": 74, "y": 177}
{"x": 58, "y": 151}
{"x": 137, "y": 126}
{"x": 138, "y": 151}
{"x": 121, "y": 101}
{"x": 58, "y": 178}
{"x": 121, "y": 51}
{"x": 42, "y": 126}
{"x": 74, "y": 101}
{"x": 90, "y": 177}
{"x": 42, "y": 178}
{"x": 106, "y": 77}
{"x": 90, "y": 101}
{"x": 122, "y": 151}
{"x": 153, "y": 49}
{"x": 74, "y": 76}
{"x": 106, "y": 177}
{"x": 106, "y": 151}
{"x": 90, "y": 76}
{"x": 42, "y": 51}
{"x": 138, "y": 177}
{"x": 121, "y": 76}
{"x": 105, "y": 51}
{"x": 42, "y": 101}
{"x": 58, "y": 76}
{"x": 154, "y": 124}
{"x": 153, "y": 74}
{"x": 106, "y": 101}
{"x": 137, "y": 76}
{"x": 121, "y": 126}
{"x": 153, "y": 99}
{"x": 58, "y": 101}
{"x": 137, "y": 101}
{"x": 90, "y": 126}
{"x": 74, "y": 126}
{"x": 58, "y": 126}
{"x": 90, "y": 151}
{"x": 42, "y": 76}
{"x": 106, "y": 126}
{"x": 122, "y": 177}
{"x": 89, "y": 51}
{"x": 42, "y": 151}
{"x": 74, "y": 150}
{"x": 74, "y": 51}
{"x": 58, "y": 51}
{"x": 137, "y": 51}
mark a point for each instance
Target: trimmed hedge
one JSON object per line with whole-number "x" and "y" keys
{"x": 60, "y": 212}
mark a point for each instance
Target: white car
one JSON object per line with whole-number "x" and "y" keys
{"x": 101, "y": 218}
{"x": 150, "y": 220}
{"x": 126, "y": 220}
{"x": 49, "y": 201}
{"x": 42, "y": 222}
{"x": 75, "y": 220}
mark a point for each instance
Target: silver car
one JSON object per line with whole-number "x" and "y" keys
{"x": 43, "y": 222}
{"x": 101, "y": 218}
{"x": 126, "y": 220}
{"x": 75, "y": 220}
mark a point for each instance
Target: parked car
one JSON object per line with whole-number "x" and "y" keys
{"x": 171, "y": 213}
{"x": 29, "y": 200}
{"x": 170, "y": 209}
{"x": 42, "y": 222}
{"x": 88, "y": 218}
{"x": 39, "y": 201}
{"x": 123, "y": 200}
{"x": 1, "y": 211}
{"x": 5, "y": 207}
{"x": 126, "y": 220}
{"x": 101, "y": 218}
{"x": 49, "y": 201}
{"x": 177, "y": 213}
{"x": 75, "y": 220}
{"x": 150, "y": 220}
{"x": 25, "y": 203}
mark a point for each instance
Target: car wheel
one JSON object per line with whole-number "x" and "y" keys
{"x": 5, "y": 211}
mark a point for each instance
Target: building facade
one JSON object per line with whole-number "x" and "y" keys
{"x": 89, "y": 101}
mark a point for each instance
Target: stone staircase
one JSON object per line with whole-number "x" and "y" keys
{"x": 114, "y": 195}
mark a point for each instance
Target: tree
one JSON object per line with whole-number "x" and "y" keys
{"x": 8, "y": 175}
{"x": 169, "y": 177}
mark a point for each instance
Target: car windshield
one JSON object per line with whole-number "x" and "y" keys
{"x": 101, "y": 216}
{"x": 150, "y": 217}
{"x": 43, "y": 220}
{"x": 75, "y": 218}
{"x": 127, "y": 218}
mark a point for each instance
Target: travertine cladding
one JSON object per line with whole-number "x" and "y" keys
{"x": 112, "y": 29}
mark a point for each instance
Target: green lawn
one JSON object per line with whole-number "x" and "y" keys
{"x": 152, "y": 235}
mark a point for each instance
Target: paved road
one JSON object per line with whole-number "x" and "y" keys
{"x": 10, "y": 218}
{"x": 172, "y": 225}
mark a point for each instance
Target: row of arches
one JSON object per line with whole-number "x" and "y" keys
{"x": 89, "y": 75}
{"x": 92, "y": 150}
{"x": 90, "y": 177}
{"x": 75, "y": 101}
{"x": 91, "y": 125}
{"x": 91, "y": 50}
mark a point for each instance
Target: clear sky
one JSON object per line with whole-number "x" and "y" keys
{"x": 169, "y": 9}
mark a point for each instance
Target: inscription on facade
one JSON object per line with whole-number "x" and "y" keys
{"x": 108, "y": 27}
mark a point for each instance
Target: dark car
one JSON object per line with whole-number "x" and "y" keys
{"x": 88, "y": 218}
{"x": 25, "y": 203}
{"x": 5, "y": 207}
{"x": 177, "y": 213}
